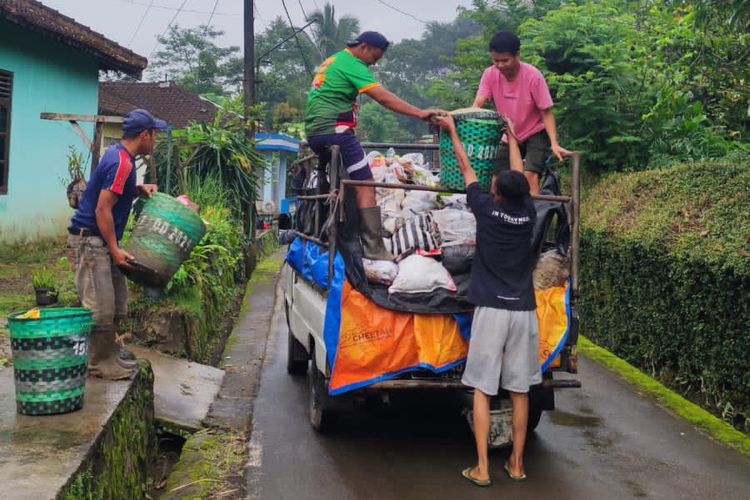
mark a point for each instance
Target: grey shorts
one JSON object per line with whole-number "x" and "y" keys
{"x": 100, "y": 284}
{"x": 503, "y": 350}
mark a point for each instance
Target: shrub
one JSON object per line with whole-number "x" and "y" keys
{"x": 666, "y": 279}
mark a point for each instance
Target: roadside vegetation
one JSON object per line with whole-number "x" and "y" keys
{"x": 666, "y": 279}
{"x": 218, "y": 168}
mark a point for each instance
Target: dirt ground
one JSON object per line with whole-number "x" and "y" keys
{"x": 18, "y": 262}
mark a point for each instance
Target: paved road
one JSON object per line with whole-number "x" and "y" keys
{"x": 604, "y": 442}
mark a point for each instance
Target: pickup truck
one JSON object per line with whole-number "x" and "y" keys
{"x": 321, "y": 223}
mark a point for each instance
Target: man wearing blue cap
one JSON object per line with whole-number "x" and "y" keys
{"x": 331, "y": 116}
{"x": 95, "y": 231}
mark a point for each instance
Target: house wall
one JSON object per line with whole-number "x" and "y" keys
{"x": 47, "y": 77}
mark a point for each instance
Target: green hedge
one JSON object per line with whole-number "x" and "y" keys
{"x": 666, "y": 279}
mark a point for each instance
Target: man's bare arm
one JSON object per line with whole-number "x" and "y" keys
{"x": 549, "y": 125}
{"x": 389, "y": 100}
{"x": 470, "y": 176}
{"x": 106, "y": 224}
{"x": 479, "y": 101}
{"x": 516, "y": 162}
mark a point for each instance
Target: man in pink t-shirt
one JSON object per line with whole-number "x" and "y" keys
{"x": 520, "y": 93}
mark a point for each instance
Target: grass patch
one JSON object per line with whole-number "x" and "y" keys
{"x": 18, "y": 261}
{"x": 210, "y": 466}
{"x": 11, "y": 302}
{"x": 715, "y": 427}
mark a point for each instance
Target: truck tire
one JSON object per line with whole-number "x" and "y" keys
{"x": 535, "y": 415}
{"x": 321, "y": 417}
{"x": 296, "y": 361}
{"x": 296, "y": 356}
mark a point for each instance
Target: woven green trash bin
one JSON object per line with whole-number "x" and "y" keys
{"x": 163, "y": 237}
{"x": 479, "y": 131}
{"x": 49, "y": 359}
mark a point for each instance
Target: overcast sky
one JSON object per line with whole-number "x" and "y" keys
{"x": 118, "y": 20}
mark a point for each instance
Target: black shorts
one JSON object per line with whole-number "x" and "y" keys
{"x": 535, "y": 149}
{"x": 352, "y": 154}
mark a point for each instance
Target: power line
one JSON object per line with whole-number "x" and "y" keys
{"x": 213, "y": 11}
{"x": 257, "y": 12}
{"x": 302, "y": 8}
{"x": 402, "y": 12}
{"x": 140, "y": 23}
{"x": 317, "y": 48}
{"x": 168, "y": 26}
{"x": 191, "y": 11}
{"x": 299, "y": 45}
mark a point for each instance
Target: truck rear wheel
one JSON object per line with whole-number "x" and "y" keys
{"x": 535, "y": 415}
{"x": 296, "y": 356}
{"x": 321, "y": 417}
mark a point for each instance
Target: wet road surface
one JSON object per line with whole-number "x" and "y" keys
{"x": 604, "y": 441}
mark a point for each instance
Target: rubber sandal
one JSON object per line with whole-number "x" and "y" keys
{"x": 466, "y": 474}
{"x": 522, "y": 477}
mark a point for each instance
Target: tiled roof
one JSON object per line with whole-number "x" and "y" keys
{"x": 37, "y": 17}
{"x": 165, "y": 100}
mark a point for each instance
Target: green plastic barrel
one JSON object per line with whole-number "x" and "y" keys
{"x": 480, "y": 132}
{"x": 49, "y": 359}
{"x": 163, "y": 237}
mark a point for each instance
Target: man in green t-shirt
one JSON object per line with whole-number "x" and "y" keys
{"x": 331, "y": 116}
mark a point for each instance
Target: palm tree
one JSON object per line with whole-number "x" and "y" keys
{"x": 331, "y": 35}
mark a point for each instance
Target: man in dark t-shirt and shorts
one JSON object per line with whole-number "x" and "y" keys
{"x": 331, "y": 117}
{"x": 504, "y": 341}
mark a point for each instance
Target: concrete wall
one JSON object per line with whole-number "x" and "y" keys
{"x": 47, "y": 77}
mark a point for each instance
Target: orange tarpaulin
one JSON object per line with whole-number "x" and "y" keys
{"x": 376, "y": 343}
{"x": 552, "y": 316}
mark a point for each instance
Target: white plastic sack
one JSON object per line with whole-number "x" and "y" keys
{"x": 417, "y": 274}
{"x": 380, "y": 271}
{"x": 389, "y": 201}
{"x": 418, "y": 202}
{"x": 552, "y": 269}
{"x": 393, "y": 224}
{"x": 375, "y": 159}
{"x": 456, "y": 227}
{"x": 412, "y": 159}
{"x": 422, "y": 176}
{"x": 456, "y": 201}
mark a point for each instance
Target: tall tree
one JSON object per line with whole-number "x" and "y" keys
{"x": 282, "y": 77}
{"x": 191, "y": 58}
{"x": 331, "y": 34}
{"x": 410, "y": 66}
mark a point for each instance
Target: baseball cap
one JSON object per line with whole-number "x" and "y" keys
{"x": 371, "y": 38}
{"x": 139, "y": 120}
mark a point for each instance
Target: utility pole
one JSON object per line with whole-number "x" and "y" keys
{"x": 249, "y": 89}
{"x": 249, "y": 60}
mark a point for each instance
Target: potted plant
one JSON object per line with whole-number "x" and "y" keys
{"x": 75, "y": 183}
{"x": 44, "y": 286}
